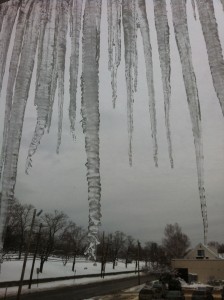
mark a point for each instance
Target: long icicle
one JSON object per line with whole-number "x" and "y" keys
{"x": 144, "y": 28}
{"x": 213, "y": 45}
{"x": 129, "y": 18}
{"x": 194, "y": 9}
{"x": 75, "y": 28}
{"x": 114, "y": 42}
{"x": 163, "y": 39}
{"x": 43, "y": 22}
{"x": 5, "y": 35}
{"x": 43, "y": 84}
{"x": 91, "y": 118}
{"x": 54, "y": 78}
{"x": 222, "y": 1}
{"x": 22, "y": 87}
{"x": 62, "y": 7}
{"x": 183, "y": 44}
{"x": 3, "y": 12}
{"x": 20, "y": 28}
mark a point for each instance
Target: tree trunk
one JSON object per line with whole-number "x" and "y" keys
{"x": 114, "y": 262}
{"x": 42, "y": 261}
{"x": 20, "y": 249}
{"x": 136, "y": 265}
{"x": 74, "y": 260}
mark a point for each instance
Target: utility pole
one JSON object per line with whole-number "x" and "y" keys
{"x": 34, "y": 256}
{"x": 138, "y": 263}
{"x": 26, "y": 255}
{"x": 102, "y": 257}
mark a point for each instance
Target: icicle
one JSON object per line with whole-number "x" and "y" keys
{"x": 144, "y": 28}
{"x": 98, "y": 4}
{"x": 183, "y": 44}
{"x": 54, "y": 78}
{"x": 162, "y": 29}
{"x": 43, "y": 84}
{"x": 130, "y": 34}
{"x": 3, "y": 12}
{"x": 5, "y": 35}
{"x": 214, "y": 49}
{"x": 114, "y": 42}
{"x": 222, "y": 1}
{"x": 20, "y": 27}
{"x": 75, "y": 27}
{"x": 61, "y": 51}
{"x": 43, "y": 22}
{"x": 22, "y": 86}
{"x": 194, "y": 9}
{"x": 91, "y": 118}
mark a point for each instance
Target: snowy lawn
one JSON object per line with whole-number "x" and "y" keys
{"x": 11, "y": 270}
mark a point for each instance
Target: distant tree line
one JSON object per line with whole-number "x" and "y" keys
{"x": 56, "y": 234}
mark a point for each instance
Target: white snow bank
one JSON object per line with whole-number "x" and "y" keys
{"x": 11, "y": 270}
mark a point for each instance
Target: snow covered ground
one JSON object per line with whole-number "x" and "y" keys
{"x": 11, "y": 270}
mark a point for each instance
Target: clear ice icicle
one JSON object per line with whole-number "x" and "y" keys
{"x": 3, "y": 11}
{"x": 62, "y": 7}
{"x": 144, "y": 28}
{"x": 184, "y": 48}
{"x": 54, "y": 77}
{"x": 5, "y": 35}
{"x": 75, "y": 28}
{"x": 91, "y": 117}
{"x": 129, "y": 18}
{"x": 194, "y": 8}
{"x": 44, "y": 19}
{"x": 222, "y": 1}
{"x": 114, "y": 42}
{"x": 20, "y": 27}
{"x": 163, "y": 37}
{"x": 22, "y": 86}
{"x": 214, "y": 49}
{"x": 43, "y": 84}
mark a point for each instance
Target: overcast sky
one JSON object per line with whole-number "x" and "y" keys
{"x": 138, "y": 200}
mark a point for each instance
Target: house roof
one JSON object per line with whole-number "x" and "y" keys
{"x": 205, "y": 247}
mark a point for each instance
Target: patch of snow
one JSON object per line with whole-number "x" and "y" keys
{"x": 11, "y": 270}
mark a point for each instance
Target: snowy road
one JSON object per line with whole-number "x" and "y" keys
{"x": 86, "y": 291}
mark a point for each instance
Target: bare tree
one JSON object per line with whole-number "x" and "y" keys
{"x": 175, "y": 242}
{"x": 73, "y": 241}
{"x": 19, "y": 219}
{"x": 52, "y": 223}
{"x": 129, "y": 249}
{"x": 151, "y": 254}
{"x": 213, "y": 244}
{"x": 117, "y": 241}
{"x": 221, "y": 248}
{"x": 103, "y": 251}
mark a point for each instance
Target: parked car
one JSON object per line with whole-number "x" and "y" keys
{"x": 175, "y": 295}
{"x": 202, "y": 295}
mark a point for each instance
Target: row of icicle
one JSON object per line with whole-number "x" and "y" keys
{"x": 42, "y": 27}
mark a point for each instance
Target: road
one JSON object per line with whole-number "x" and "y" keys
{"x": 86, "y": 291}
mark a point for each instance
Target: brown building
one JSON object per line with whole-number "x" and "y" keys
{"x": 203, "y": 261}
